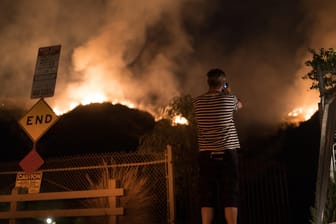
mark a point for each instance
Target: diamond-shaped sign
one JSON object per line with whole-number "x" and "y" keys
{"x": 31, "y": 162}
{"x": 38, "y": 120}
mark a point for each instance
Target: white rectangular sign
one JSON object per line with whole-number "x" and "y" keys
{"x": 46, "y": 72}
{"x": 32, "y": 181}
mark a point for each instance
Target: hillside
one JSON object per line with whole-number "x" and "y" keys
{"x": 106, "y": 127}
{"x": 86, "y": 129}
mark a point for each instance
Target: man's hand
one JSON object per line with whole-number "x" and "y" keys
{"x": 227, "y": 90}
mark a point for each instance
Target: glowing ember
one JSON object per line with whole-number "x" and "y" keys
{"x": 180, "y": 120}
{"x": 304, "y": 113}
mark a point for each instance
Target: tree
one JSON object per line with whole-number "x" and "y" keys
{"x": 323, "y": 73}
{"x": 178, "y": 136}
{"x": 181, "y": 105}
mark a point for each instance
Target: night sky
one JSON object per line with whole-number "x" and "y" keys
{"x": 146, "y": 52}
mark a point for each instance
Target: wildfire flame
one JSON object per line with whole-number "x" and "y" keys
{"x": 301, "y": 114}
{"x": 97, "y": 97}
{"x": 180, "y": 120}
{"x": 100, "y": 98}
{"x": 72, "y": 105}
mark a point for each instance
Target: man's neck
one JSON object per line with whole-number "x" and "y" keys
{"x": 215, "y": 90}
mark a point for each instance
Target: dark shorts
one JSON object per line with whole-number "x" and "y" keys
{"x": 219, "y": 181}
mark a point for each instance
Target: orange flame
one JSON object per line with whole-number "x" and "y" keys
{"x": 301, "y": 114}
{"x": 180, "y": 120}
{"x": 62, "y": 110}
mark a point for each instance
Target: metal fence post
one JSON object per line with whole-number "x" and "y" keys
{"x": 170, "y": 177}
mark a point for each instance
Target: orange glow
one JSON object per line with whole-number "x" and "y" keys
{"x": 93, "y": 99}
{"x": 180, "y": 120}
{"x": 301, "y": 114}
{"x": 93, "y": 89}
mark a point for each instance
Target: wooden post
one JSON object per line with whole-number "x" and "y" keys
{"x": 112, "y": 202}
{"x": 13, "y": 204}
{"x": 170, "y": 174}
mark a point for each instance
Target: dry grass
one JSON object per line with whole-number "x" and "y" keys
{"x": 137, "y": 202}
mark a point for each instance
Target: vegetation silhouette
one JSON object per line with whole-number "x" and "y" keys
{"x": 97, "y": 127}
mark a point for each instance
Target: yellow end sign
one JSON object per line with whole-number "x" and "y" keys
{"x": 38, "y": 120}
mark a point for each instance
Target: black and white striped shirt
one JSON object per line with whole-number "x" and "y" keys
{"x": 215, "y": 124}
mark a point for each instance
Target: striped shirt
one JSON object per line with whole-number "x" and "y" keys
{"x": 215, "y": 124}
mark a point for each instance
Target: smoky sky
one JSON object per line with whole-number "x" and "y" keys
{"x": 147, "y": 52}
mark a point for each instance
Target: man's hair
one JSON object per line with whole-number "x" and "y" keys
{"x": 216, "y": 77}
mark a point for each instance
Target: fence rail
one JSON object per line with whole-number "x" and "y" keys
{"x": 15, "y": 197}
{"x": 157, "y": 188}
{"x": 79, "y": 186}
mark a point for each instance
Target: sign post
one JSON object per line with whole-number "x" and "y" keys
{"x": 40, "y": 117}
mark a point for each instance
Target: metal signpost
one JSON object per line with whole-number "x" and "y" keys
{"x": 40, "y": 117}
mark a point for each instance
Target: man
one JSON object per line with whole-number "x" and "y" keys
{"x": 218, "y": 141}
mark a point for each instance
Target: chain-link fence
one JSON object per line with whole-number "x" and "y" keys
{"x": 144, "y": 180}
{"x": 263, "y": 187}
{"x": 142, "y": 176}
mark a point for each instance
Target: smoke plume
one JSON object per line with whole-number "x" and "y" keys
{"x": 146, "y": 52}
